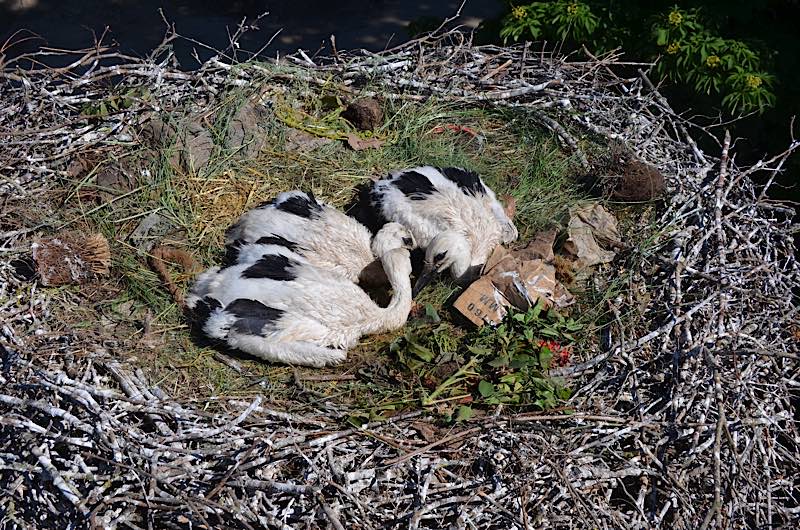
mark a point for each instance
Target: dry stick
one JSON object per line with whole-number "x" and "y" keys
{"x": 716, "y": 508}
{"x": 332, "y": 516}
{"x": 66, "y": 488}
{"x": 696, "y": 150}
{"x": 445, "y": 440}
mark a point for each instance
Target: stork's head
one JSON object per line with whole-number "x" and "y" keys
{"x": 448, "y": 250}
{"x": 392, "y": 236}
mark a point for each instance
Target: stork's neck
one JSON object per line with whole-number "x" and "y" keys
{"x": 397, "y": 265}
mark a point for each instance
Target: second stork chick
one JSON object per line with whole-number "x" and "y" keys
{"x": 452, "y": 213}
{"x": 278, "y": 306}
{"x": 320, "y": 233}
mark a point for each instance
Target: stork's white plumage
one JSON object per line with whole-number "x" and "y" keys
{"x": 452, "y": 213}
{"x": 278, "y": 306}
{"x": 318, "y": 232}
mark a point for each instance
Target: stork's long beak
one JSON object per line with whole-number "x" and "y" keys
{"x": 428, "y": 273}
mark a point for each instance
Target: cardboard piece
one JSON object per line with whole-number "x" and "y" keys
{"x": 482, "y": 303}
{"x": 540, "y": 247}
{"x": 588, "y": 225}
{"x": 522, "y": 277}
{"x": 534, "y": 280}
{"x": 519, "y": 278}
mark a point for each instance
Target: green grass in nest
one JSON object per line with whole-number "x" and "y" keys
{"x": 510, "y": 153}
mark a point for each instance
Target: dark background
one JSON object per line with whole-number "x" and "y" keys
{"x": 137, "y": 26}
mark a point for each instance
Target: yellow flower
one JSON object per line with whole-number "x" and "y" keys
{"x": 712, "y": 61}
{"x": 572, "y": 9}
{"x": 752, "y": 81}
{"x": 673, "y": 48}
{"x": 518, "y": 13}
{"x": 675, "y": 18}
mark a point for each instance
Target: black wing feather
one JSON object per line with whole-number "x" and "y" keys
{"x": 414, "y": 185}
{"x": 273, "y": 267}
{"x": 252, "y": 316}
{"x": 468, "y": 181}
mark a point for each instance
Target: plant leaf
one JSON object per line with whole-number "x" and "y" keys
{"x": 464, "y": 413}
{"x": 486, "y": 389}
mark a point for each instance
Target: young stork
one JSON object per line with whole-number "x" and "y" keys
{"x": 453, "y": 215}
{"x": 318, "y": 232}
{"x": 279, "y": 306}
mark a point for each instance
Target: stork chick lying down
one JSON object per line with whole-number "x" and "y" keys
{"x": 320, "y": 233}
{"x": 279, "y": 307}
{"x": 452, "y": 213}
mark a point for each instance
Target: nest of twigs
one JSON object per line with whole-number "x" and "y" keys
{"x": 686, "y": 419}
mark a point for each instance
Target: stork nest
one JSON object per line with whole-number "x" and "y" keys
{"x": 686, "y": 419}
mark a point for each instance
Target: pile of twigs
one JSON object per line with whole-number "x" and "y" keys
{"x": 686, "y": 421}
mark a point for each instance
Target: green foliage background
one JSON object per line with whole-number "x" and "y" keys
{"x": 717, "y": 59}
{"x": 689, "y": 44}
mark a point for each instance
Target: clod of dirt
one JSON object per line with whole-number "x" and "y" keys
{"x": 155, "y": 131}
{"x": 151, "y": 228}
{"x": 565, "y": 270}
{"x": 639, "y": 182}
{"x": 114, "y": 180}
{"x": 70, "y": 258}
{"x": 619, "y": 173}
{"x": 244, "y": 130}
{"x": 365, "y": 114}
{"x": 194, "y": 144}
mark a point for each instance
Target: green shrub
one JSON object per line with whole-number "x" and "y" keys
{"x": 687, "y": 49}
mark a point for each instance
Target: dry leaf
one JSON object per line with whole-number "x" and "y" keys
{"x": 359, "y": 144}
{"x": 297, "y": 140}
{"x": 600, "y": 220}
{"x": 425, "y": 430}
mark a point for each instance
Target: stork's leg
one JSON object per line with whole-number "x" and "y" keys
{"x": 301, "y": 353}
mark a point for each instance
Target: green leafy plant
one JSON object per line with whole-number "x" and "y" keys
{"x": 507, "y": 364}
{"x": 563, "y": 19}
{"x": 693, "y": 54}
{"x": 518, "y": 354}
{"x": 688, "y": 50}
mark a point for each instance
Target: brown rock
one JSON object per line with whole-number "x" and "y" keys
{"x": 365, "y": 114}
{"x": 195, "y": 146}
{"x": 71, "y": 258}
